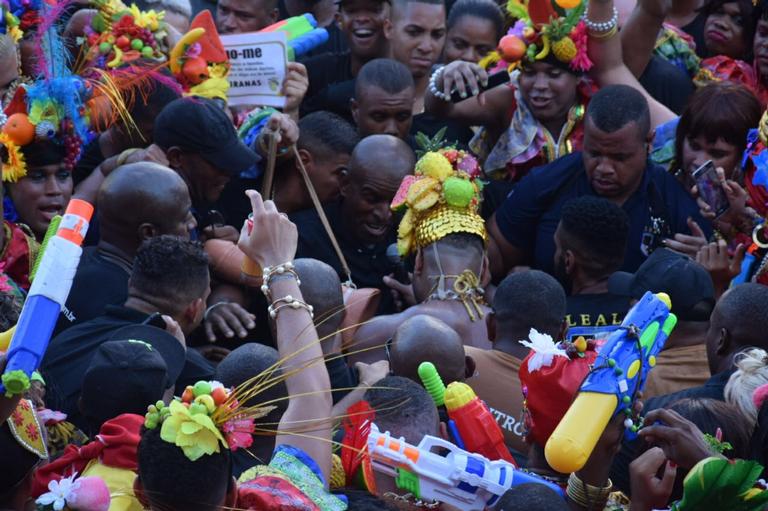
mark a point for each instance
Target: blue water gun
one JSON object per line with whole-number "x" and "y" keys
{"x": 47, "y": 295}
{"x": 302, "y": 32}
{"x": 468, "y": 481}
{"x": 619, "y": 372}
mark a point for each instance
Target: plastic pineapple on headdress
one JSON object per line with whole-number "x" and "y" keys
{"x": 441, "y": 198}
{"x": 541, "y": 31}
{"x": 199, "y": 61}
{"x": 718, "y": 483}
{"x": 9, "y": 19}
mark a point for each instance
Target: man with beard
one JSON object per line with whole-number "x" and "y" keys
{"x": 361, "y": 220}
{"x": 590, "y": 242}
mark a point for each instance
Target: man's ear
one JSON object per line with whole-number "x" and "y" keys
{"x": 174, "y": 155}
{"x": 563, "y": 329}
{"x": 490, "y": 325}
{"x": 146, "y": 231}
{"x": 138, "y": 491}
{"x": 274, "y": 15}
{"x": 346, "y": 186}
{"x": 569, "y": 258}
{"x": 306, "y": 159}
{"x": 353, "y": 107}
{"x": 388, "y": 28}
{"x": 469, "y": 366}
{"x": 485, "y": 273}
{"x": 724, "y": 342}
{"x": 418, "y": 263}
{"x": 339, "y": 20}
{"x": 194, "y": 310}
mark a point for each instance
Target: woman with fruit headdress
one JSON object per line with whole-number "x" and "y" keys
{"x": 537, "y": 117}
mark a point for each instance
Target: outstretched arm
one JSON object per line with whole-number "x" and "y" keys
{"x": 306, "y": 422}
{"x": 609, "y": 67}
{"x": 639, "y": 33}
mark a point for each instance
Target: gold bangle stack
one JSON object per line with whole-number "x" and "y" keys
{"x": 604, "y": 35}
{"x": 592, "y": 498}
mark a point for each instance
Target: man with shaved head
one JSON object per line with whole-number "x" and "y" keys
{"x": 136, "y": 202}
{"x": 427, "y": 339}
{"x": 361, "y": 220}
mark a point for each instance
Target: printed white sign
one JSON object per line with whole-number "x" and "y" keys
{"x": 258, "y": 64}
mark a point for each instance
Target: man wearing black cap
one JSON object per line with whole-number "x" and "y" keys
{"x": 125, "y": 376}
{"x": 169, "y": 284}
{"x": 683, "y": 362}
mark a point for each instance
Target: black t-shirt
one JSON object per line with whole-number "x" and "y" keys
{"x": 325, "y": 70}
{"x": 594, "y": 316}
{"x": 70, "y": 353}
{"x": 91, "y": 158}
{"x": 530, "y": 215}
{"x": 369, "y": 264}
{"x": 101, "y": 280}
{"x": 696, "y": 30}
{"x": 667, "y": 83}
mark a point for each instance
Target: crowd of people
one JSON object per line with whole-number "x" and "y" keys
{"x": 468, "y": 192}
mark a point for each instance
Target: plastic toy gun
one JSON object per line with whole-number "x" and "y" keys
{"x": 471, "y": 423}
{"x": 620, "y": 371}
{"x": 468, "y": 481}
{"x": 302, "y": 32}
{"x": 47, "y": 295}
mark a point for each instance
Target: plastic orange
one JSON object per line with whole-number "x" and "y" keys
{"x": 567, "y": 4}
{"x": 19, "y": 129}
{"x": 511, "y": 48}
{"x": 195, "y": 70}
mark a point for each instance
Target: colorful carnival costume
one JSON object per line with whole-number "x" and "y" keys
{"x": 209, "y": 417}
{"x": 540, "y": 34}
{"x": 443, "y": 198}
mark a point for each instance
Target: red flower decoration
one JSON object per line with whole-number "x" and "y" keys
{"x": 32, "y": 432}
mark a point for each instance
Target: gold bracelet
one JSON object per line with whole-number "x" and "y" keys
{"x": 604, "y": 35}
{"x": 586, "y": 495}
{"x": 125, "y": 155}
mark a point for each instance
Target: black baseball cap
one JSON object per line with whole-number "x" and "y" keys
{"x": 199, "y": 125}
{"x": 173, "y": 353}
{"x": 123, "y": 377}
{"x": 685, "y": 281}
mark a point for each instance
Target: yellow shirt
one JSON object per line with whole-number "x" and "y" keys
{"x": 120, "y": 484}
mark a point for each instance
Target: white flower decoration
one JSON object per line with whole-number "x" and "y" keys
{"x": 59, "y": 492}
{"x": 544, "y": 350}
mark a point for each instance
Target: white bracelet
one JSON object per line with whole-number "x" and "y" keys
{"x": 270, "y": 272}
{"x": 433, "y": 86}
{"x": 289, "y": 301}
{"x": 602, "y": 26}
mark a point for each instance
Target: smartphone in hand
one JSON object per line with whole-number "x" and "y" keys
{"x": 710, "y": 189}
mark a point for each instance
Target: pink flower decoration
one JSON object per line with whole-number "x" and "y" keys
{"x": 238, "y": 433}
{"x": 49, "y": 417}
{"x": 468, "y": 164}
{"x": 517, "y": 29}
{"x": 581, "y": 61}
{"x": 194, "y": 50}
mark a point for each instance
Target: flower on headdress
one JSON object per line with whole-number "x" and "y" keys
{"x": 517, "y": 29}
{"x": 238, "y": 433}
{"x": 581, "y": 61}
{"x": 544, "y": 348}
{"x": 14, "y": 168}
{"x": 196, "y": 434}
{"x": 147, "y": 19}
{"x": 59, "y": 492}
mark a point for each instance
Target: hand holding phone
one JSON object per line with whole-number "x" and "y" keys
{"x": 710, "y": 188}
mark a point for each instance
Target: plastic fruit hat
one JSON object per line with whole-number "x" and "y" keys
{"x": 542, "y": 32}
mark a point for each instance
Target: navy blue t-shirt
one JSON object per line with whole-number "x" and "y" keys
{"x": 530, "y": 215}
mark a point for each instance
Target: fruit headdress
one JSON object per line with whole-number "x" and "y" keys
{"x": 542, "y": 32}
{"x": 19, "y": 17}
{"x": 58, "y": 107}
{"x": 118, "y": 35}
{"x": 441, "y": 198}
{"x": 206, "y": 417}
{"x": 199, "y": 61}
